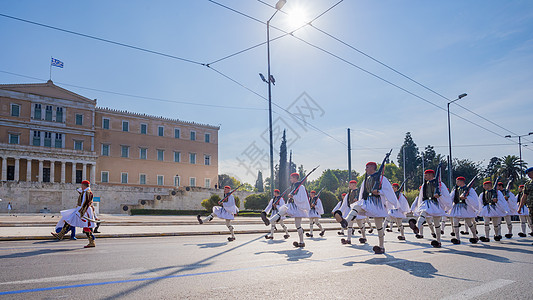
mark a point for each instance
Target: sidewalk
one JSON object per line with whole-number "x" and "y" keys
{"x": 39, "y": 226}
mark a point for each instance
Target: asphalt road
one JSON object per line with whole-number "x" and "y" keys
{"x": 209, "y": 267}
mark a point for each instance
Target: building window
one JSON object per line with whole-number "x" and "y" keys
{"x": 160, "y": 130}
{"x": 48, "y": 113}
{"x": 142, "y": 153}
{"x": 142, "y": 178}
{"x": 176, "y": 181}
{"x": 207, "y": 183}
{"x": 125, "y": 151}
{"x": 104, "y": 176}
{"x": 207, "y": 137}
{"x": 193, "y": 136}
{"x": 79, "y": 119}
{"x": 177, "y": 133}
{"x": 14, "y": 138}
{"x": 160, "y": 155}
{"x": 78, "y": 145}
{"x": 125, "y": 126}
{"x": 105, "y": 123}
{"x": 160, "y": 180}
{"x": 192, "y": 181}
{"x": 15, "y": 110}
{"x": 36, "y": 138}
{"x": 59, "y": 141}
{"x": 59, "y": 114}
{"x": 207, "y": 160}
{"x": 123, "y": 177}
{"x": 177, "y": 156}
{"x": 192, "y": 158}
{"x": 105, "y": 149}
{"x": 48, "y": 139}
{"x": 37, "y": 111}
{"x": 144, "y": 128}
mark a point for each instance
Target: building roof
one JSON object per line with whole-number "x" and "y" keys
{"x": 48, "y": 89}
{"x": 134, "y": 114}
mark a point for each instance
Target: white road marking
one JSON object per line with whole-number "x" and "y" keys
{"x": 480, "y": 290}
{"x": 89, "y": 276}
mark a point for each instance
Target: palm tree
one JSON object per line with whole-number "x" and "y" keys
{"x": 511, "y": 165}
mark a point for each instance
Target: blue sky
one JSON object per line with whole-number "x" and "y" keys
{"x": 483, "y": 48}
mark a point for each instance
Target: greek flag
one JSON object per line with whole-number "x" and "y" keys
{"x": 56, "y": 63}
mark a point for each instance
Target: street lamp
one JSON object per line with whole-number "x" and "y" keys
{"x": 519, "y": 146}
{"x": 450, "y": 171}
{"x": 270, "y": 80}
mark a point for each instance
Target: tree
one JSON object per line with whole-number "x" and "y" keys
{"x": 412, "y": 160}
{"x": 283, "y": 169}
{"x": 466, "y": 168}
{"x": 493, "y": 167}
{"x": 259, "y": 182}
{"x": 256, "y": 201}
{"x": 328, "y": 201}
{"x": 393, "y": 173}
{"x": 246, "y": 187}
{"x": 510, "y": 165}
{"x": 301, "y": 171}
{"x": 329, "y": 181}
{"x": 210, "y": 202}
{"x": 225, "y": 179}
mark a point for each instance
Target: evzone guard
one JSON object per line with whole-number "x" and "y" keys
{"x": 316, "y": 211}
{"x": 272, "y": 208}
{"x": 429, "y": 220}
{"x": 226, "y": 211}
{"x": 82, "y": 216}
{"x": 435, "y": 201}
{"x": 396, "y": 215}
{"x": 343, "y": 208}
{"x": 511, "y": 204}
{"x": 297, "y": 207}
{"x": 375, "y": 198}
{"x": 465, "y": 206}
{"x": 523, "y": 214}
{"x": 493, "y": 209}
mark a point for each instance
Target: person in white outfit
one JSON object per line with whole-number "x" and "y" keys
{"x": 512, "y": 204}
{"x": 297, "y": 207}
{"x": 397, "y": 214}
{"x": 227, "y": 211}
{"x": 315, "y": 213}
{"x": 435, "y": 202}
{"x": 272, "y": 208}
{"x": 523, "y": 214}
{"x": 465, "y": 206}
{"x": 493, "y": 208}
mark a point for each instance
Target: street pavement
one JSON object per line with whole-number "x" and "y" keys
{"x": 210, "y": 267}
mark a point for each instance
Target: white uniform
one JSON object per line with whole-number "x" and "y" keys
{"x": 491, "y": 211}
{"x": 434, "y": 208}
{"x": 270, "y": 209}
{"x": 314, "y": 216}
{"x": 298, "y": 208}
{"x": 228, "y": 209}
{"x": 73, "y": 217}
{"x": 273, "y": 210}
{"x": 466, "y": 209}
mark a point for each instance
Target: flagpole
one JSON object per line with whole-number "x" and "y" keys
{"x": 50, "y": 68}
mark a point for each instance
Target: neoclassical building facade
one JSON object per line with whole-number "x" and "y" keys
{"x": 50, "y": 134}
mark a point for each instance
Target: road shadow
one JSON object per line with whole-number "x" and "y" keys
{"x": 495, "y": 246}
{"x": 180, "y": 269}
{"x": 481, "y": 255}
{"x": 36, "y": 252}
{"x": 291, "y": 255}
{"x": 211, "y": 245}
{"x": 273, "y": 241}
{"x": 414, "y": 268}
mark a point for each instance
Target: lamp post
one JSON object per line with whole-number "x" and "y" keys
{"x": 450, "y": 171}
{"x": 270, "y": 80}
{"x": 519, "y": 146}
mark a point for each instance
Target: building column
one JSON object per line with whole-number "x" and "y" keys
{"x": 41, "y": 166}
{"x": 4, "y": 168}
{"x": 84, "y": 172}
{"x": 17, "y": 169}
{"x": 52, "y": 171}
{"x": 28, "y": 169}
{"x": 93, "y": 173}
{"x": 74, "y": 172}
{"x": 63, "y": 164}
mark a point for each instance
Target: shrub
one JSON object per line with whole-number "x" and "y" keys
{"x": 256, "y": 201}
{"x": 328, "y": 201}
{"x": 210, "y": 202}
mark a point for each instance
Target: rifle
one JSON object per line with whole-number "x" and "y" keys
{"x": 302, "y": 181}
{"x": 436, "y": 181}
{"x": 377, "y": 183}
{"x": 468, "y": 187}
{"x": 507, "y": 188}
{"x": 229, "y": 194}
{"x": 494, "y": 191}
{"x": 315, "y": 199}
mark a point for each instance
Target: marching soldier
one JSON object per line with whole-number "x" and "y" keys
{"x": 227, "y": 211}
{"x": 397, "y": 214}
{"x": 523, "y": 214}
{"x": 272, "y": 208}
{"x": 465, "y": 206}
{"x": 493, "y": 209}
{"x": 527, "y": 197}
{"x": 315, "y": 213}
{"x": 510, "y": 198}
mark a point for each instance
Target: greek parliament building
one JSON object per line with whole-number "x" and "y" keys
{"x": 51, "y": 135}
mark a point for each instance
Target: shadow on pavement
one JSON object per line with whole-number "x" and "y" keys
{"x": 482, "y": 255}
{"x": 211, "y": 245}
{"x": 291, "y": 255}
{"x": 37, "y": 252}
{"x": 196, "y": 265}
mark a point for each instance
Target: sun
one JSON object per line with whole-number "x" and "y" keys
{"x": 297, "y": 16}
